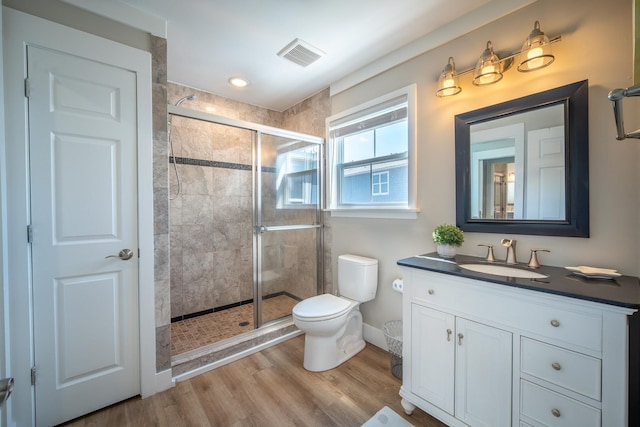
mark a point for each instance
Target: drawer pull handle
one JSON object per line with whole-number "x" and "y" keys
{"x": 556, "y": 366}
{"x": 460, "y": 336}
{"x": 555, "y": 412}
{"x": 430, "y": 291}
{"x": 448, "y": 334}
{"x": 555, "y": 323}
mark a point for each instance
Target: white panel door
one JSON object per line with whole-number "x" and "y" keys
{"x": 82, "y": 147}
{"x": 545, "y": 198}
{"x": 432, "y": 355}
{"x": 483, "y": 374}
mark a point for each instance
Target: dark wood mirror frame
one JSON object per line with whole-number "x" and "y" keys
{"x": 575, "y": 98}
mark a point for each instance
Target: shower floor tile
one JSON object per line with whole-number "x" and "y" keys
{"x": 196, "y": 332}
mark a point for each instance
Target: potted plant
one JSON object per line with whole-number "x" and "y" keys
{"x": 447, "y": 237}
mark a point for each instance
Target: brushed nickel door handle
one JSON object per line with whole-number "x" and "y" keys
{"x": 6, "y": 387}
{"x": 124, "y": 255}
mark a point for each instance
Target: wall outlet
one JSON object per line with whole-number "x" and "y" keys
{"x": 397, "y": 285}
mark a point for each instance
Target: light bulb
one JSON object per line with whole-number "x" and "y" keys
{"x": 448, "y": 83}
{"x": 535, "y": 58}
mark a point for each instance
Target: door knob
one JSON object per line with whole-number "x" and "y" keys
{"x": 124, "y": 255}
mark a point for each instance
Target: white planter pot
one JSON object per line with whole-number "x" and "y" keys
{"x": 446, "y": 251}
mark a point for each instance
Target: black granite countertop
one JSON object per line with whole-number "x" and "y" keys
{"x": 623, "y": 291}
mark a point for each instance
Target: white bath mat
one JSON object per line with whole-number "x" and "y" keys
{"x": 386, "y": 417}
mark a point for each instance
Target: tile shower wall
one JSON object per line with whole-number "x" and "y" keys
{"x": 161, "y": 204}
{"x": 211, "y": 221}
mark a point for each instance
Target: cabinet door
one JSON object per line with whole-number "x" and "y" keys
{"x": 483, "y": 374}
{"x": 432, "y": 354}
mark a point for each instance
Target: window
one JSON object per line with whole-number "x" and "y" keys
{"x": 380, "y": 184}
{"x": 371, "y": 157}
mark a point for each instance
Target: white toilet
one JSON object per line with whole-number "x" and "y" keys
{"x": 333, "y": 325}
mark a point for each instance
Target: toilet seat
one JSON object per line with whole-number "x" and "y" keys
{"x": 322, "y": 307}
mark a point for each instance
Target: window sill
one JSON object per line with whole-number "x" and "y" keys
{"x": 399, "y": 213}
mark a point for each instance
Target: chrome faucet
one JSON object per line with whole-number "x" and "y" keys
{"x": 511, "y": 250}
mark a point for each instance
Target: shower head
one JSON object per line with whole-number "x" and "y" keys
{"x": 185, "y": 98}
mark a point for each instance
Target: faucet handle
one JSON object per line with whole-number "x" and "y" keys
{"x": 490, "y": 257}
{"x": 508, "y": 242}
{"x": 533, "y": 261}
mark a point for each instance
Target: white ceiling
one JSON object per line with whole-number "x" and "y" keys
{"x": 209, "y": 41}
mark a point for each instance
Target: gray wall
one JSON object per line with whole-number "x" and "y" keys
{"x": 596, "y": 45}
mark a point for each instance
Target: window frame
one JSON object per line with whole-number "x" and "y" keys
{"x": 406, "y": 210}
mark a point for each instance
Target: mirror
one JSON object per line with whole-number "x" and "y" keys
{"x": 522, "y": 166}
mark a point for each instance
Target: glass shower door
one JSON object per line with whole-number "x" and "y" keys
{"x": 288, "y": 222}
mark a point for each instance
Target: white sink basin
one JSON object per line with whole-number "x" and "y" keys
{"x": 502, "y": 270}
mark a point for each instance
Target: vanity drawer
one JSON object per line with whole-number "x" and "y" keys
{"x": 568, "y": 369}
{"x": 566, "y": 325}
{"x": 555, "y": 410}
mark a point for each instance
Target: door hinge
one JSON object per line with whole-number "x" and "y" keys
{"x": 29, "y": 234}
{"x": 27, "y": 88}
{"x": 33, "y": 376}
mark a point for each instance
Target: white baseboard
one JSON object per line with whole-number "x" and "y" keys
{"x": 374, "y": 336}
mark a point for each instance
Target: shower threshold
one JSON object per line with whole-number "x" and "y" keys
{"x": 195, "y": 362}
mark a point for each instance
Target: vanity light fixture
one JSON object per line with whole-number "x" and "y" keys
{"x": 536, "y": 51}
{"x": 535, "y": 54}
{"x": 238, "y": 82}
{"x": 489, "y": 68}
{"x": 448, "y": 83}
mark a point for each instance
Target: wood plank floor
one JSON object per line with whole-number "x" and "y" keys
{"x": 270, "y": 388}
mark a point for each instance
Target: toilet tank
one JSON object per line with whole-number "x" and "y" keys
{"x": 357, "y": 277}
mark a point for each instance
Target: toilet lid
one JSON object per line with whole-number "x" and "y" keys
{"x": 321, "y": 306}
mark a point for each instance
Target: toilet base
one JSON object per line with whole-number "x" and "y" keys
{"x": 322, "y": 353}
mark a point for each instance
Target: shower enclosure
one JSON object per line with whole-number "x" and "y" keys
{"x": 246, "y": 238}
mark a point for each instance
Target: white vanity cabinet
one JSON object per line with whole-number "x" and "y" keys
{"x": 477, "y": 353}
{"x": 459, "y": 361}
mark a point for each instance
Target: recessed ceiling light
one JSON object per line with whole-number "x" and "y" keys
{"x": 238, "y": 82}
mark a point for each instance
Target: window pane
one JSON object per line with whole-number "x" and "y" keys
{"x": 381, "y": 182}
{"x": 356, "y": 184}
{"x": 393, "y": 181}
{"x": 358, "y": 146}
{"x": 392, "y": 139}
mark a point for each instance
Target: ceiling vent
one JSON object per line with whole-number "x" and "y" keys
{"x": 301, "y": 52}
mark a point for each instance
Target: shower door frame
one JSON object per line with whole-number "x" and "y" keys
{"x": 258, "y": 130}
{"x": 260, "y": 228}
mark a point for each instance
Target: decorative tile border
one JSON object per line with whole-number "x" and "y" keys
{"x": 216, "y": 164}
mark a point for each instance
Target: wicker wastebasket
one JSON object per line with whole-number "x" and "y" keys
{"x": 393, "y": 334}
